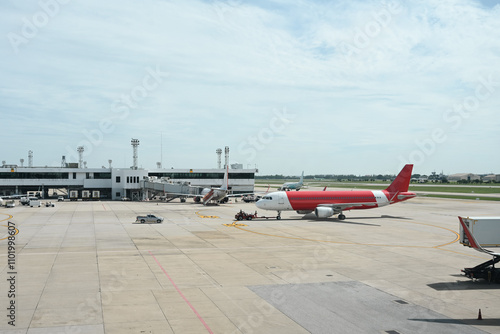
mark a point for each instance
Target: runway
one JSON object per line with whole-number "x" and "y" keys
{"x": 87, "y": 267}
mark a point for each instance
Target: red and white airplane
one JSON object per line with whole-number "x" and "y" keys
{"x": 325, "y": 204}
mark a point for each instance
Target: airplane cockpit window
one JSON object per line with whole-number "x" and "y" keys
{"x": 267, "y": 197}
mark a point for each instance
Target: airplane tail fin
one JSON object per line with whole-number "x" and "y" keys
{"x": 225, "y": 182}
{"x": 301, "y": 181}
{"x": 402, "y": 181}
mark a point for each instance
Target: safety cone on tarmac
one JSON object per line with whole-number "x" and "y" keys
{"x": 479, "y": 317}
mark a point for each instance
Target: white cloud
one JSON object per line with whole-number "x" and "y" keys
{"x": 364, "y": 81}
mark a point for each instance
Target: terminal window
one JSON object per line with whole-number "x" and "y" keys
{"x": 118, "y": 179}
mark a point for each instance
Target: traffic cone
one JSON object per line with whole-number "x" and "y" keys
{"x": 479, "y": 317}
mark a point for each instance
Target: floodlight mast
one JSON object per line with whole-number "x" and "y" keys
{"x": 135, "y": 144}
{"x": 80, "y": 150}
{"x": 226, "y": 151}
{"x": 30, "y": 158}
{"x": 219, "y": 155}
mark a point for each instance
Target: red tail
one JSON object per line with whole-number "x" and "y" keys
{"x": 402, "y": 181}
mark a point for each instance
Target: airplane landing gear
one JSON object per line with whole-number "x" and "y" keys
{"x": 341, "y": 216}
{"x": 279, "y": 215}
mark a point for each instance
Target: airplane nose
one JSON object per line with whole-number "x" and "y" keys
{"x": 259, "y": 204}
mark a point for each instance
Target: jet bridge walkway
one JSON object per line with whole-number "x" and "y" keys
{"x": 171, "y": 190}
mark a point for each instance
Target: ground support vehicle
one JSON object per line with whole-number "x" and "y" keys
{"x": 27, "y": 200}
{"x": 241, "y": 215}
{"x": 477, "y": 232}
{"x": 86, "y": 195}
{"x": 73, "y": 195}
{"x": 149, "y": 219}
{"x": 486, "y": 231}
{"x": 250, "y": 198}
{"x": 485, "y": 270}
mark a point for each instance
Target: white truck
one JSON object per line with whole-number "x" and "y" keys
{"x": 35, "y": 203}
{"x": 149, "y": 219}
{"x": 27, "y": 200}
{"x": 486, "y": 230}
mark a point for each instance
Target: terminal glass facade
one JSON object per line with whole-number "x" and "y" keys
{"x": 179, "y": 176}
{"x": 102, "y": 176}
{"x": 44, "y": 175}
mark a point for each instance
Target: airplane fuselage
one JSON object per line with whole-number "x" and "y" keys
{"x": 309, "y": 200}
{"x": 291, "y": 186}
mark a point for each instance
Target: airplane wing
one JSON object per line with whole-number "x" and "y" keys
{"x": 181, "y": 194}
{"x": 473, "y": 242}
{"x": 239, "y": 195}
{"x": 13, "y": 196}
{"x": 259, "y": 193}
{"x": 343, "y": 206}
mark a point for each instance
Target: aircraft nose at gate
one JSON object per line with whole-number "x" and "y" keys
{"x": 260, "y": 204}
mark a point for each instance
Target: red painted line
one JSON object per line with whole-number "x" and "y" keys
{"x": 182, "y": 295}
{"x": 104, "y": 207}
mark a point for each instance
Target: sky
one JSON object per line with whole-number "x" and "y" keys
{"x": 328, "y": 87}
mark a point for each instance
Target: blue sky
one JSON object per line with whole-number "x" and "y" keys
{"x": 323, "y": 86}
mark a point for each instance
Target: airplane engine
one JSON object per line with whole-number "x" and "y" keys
{"x": 323, "y": 212}
{"x": 304, "y": 212}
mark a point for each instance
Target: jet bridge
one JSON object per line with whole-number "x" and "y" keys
{"x": 168, "y": 189}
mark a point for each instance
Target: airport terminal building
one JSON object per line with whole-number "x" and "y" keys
{"x": 112, "y": 183}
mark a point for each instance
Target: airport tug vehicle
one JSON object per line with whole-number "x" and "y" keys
{"x": 241, "y": 215}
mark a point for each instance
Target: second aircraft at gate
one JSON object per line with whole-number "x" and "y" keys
{"x": 325, "y": 204}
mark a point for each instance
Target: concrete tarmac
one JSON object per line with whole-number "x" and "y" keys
{"x": 87, "y": 267}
